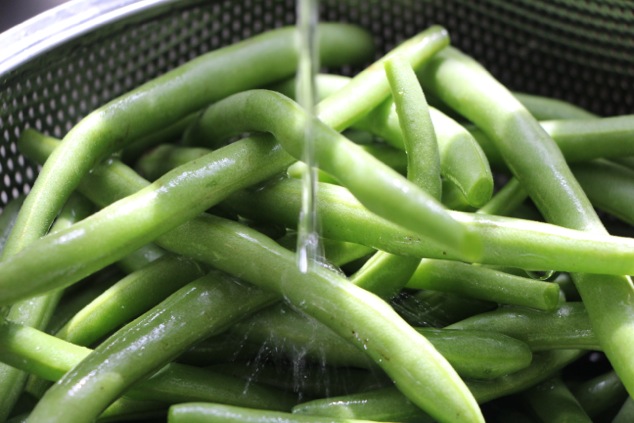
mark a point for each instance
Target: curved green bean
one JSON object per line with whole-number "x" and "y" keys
{"x": 165, "y": 100}
{"x": 178, "y": 195}
{"x": 385, "y": 274}
{"x": 463, "y": 162}
{"x": 378, "y": 187}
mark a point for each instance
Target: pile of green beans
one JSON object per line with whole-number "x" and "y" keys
{"x": 151, "y": 272}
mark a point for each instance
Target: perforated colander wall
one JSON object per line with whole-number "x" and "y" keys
{"x": 579, "y": 51}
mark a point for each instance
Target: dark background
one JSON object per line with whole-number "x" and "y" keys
{"x": 13, "y": 12}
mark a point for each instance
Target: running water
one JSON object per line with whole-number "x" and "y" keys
{"x": 308, "y": 245}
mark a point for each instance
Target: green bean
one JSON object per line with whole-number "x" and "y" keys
{"x": 480, "y": 354}
{"x": 218, "y": 413}
{"x": 22, "y": 347}
{"x": 176, "y": 197}
{"x": 37, "y": 311}
{"x": 609, "y": 186}
{"x": 419, "y": 137}
{"x": 471, "y": 176}
{"x": 600, "y": 393}
{"x": 484, "y": 283}
{"x": 146, "y": 344}
{"x": 185, "y": 191}
{"x": 477, "y": 354}
{"x": 232, "y": 236}
{"x": 341, "y": 109}
{"x": 51, "y": 358}
{"x": 567, "y": 327}
{"x": 539, "y": 165}
{"x": 377, "y": 186}
{"x": 129, "y": 298}
{"x": 388, "y": 404}
{"x": 578, "y": 140}
{"x": 167, "y": 99}
{"x": 550, "y": 108}
{"x": 385, "y": 274}
{"x": 507, "y": 241}
{"x": 553, "y": 402}
{"x": 351, "y": 311}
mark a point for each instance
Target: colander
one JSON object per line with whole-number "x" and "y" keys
{"x": 59, "y": 66}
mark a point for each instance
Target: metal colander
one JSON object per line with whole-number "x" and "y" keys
{"x": 61, "y": 65}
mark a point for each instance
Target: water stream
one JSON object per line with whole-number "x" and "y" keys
{"x": 308, "y": 245}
